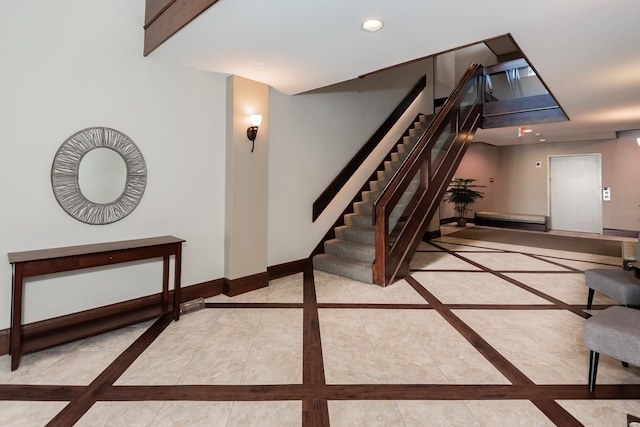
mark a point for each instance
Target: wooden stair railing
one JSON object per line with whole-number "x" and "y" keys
{"x": 341, "y": 179}
{"x": 436, "y": 160}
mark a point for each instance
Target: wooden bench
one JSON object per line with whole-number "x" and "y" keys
{"x": 512, "y": 220}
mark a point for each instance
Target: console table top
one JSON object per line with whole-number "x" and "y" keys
{"x": 42, "y": 254}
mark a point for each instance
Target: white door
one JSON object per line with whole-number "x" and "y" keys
{"x": 575, "y": 193}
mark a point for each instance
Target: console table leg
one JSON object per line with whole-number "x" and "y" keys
{"x": 15, "y": 344}
{"x": 177, "y": 299}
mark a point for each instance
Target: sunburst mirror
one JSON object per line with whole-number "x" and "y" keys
{"x": 98, "y": 175}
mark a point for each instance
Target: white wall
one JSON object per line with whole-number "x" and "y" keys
{"x": 71, "y": 64}
{"x": 312, "y": 136}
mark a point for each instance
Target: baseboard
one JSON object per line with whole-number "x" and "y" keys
{"x": 428, "y": 235}
{"x": 233, "y": 287}
{"x": 289, "y": 268}
{"x": 202, "y": 290}
{"x": 619, "y": 233}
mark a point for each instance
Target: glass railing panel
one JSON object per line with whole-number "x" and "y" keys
{"x": 443, "y": 142}
{"x": 398, "y": 213}
{"x": 513, "y": 83}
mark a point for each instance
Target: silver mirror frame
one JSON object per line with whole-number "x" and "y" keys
{"x": 64, "y": 176}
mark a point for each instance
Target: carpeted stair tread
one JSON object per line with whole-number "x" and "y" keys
{"x": 352, "y": 250}
{"x": 356, "y": 234}
{"x": 356, "y": 270}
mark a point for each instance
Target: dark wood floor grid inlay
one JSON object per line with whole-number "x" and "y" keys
{"x": 315, "y": 313}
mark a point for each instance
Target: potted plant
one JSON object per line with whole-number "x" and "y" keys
{"x": 462, "y": 194}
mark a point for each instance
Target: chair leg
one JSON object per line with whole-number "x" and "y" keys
{"x": 625, "y": 364}
{"x": 590, "y": 299}
{"x": 593, "y": 369}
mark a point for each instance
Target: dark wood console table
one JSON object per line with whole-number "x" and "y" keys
{"x": 69, "y": 328}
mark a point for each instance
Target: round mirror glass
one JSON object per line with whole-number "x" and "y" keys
{"x": 102, "y": 175}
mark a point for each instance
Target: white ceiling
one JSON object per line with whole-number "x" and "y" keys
{"x": 586, "y": 51}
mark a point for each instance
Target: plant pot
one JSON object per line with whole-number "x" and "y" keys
{"x": 462, "y": 222}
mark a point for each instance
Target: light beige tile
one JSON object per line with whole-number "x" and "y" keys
{"x": 193, "y": 414}
{"x": 458, "y": 360}
{"x": 28, "y": 414}
{"x": 354, "y": 413}
{"x": 569, "y": 288}
{"x": 116, "y": 414}
{"x": 511, "y": 262}
{"x": 349, "y": 356}
{"x": 474, "y": 288}
{"x": 507, "y": 413}
{"x": 266, "y": 414}
{"x": 584, "y": 265}
{"x": 601, "y": 413}
{"x": 415, "y": 413}
{"x": 424, "y": 246}
{"x": 439, "y": 261}
{"x": 466, "y": 248}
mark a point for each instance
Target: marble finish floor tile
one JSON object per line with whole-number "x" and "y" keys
{"x": 569, "y": 288}
{"x": 507, "y": 413}
{"x": 331, "y": 289}
{"x": 474, "y": 288}
{"x": 28, "y": 414}
{"x": 239, "y": 346}
{"x": 511, "y": 261}
{"x": 439, "y": 261}
{"x": 602, "y": 413}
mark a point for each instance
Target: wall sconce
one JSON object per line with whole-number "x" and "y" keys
{"x": 252, "y": 131}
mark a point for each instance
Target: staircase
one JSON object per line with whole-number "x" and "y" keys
{"x": 352, "y": 252}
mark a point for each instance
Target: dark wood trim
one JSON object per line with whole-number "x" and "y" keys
{"x": 288, "y": 268}
{"x": 518, "y": 225}
{"x": 233, "y": 287}
{"x": 155, "y": 8}
{"x": 439, "y": 102}
{"x": 428, "y": 235}
{"x": 164, "y": 20}
{"x": 548, "y": 115}
{"x": 202, "y": 290}
{"x": 4, "y": 341}
{"x": 352, "y": 166}
{"x": 506, "y": 65}
{"x": 620, "y": 233}
{"x": 519, "y": 105}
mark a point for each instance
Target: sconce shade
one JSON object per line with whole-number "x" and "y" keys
{"x": 252, "y": 131}
{"x": 256, "y": 119}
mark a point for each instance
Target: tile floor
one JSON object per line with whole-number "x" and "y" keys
{"x": 481, "y": 334}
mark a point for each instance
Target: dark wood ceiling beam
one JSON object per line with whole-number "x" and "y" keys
{"x": 164, "y": 18}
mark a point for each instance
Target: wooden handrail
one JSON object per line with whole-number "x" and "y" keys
{"x": 341, "y": 179}
{"x": 391, "y": 260}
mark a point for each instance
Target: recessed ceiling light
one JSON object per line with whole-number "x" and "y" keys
{"x": 372, "y": 25}
{"x": 542, "y": 140}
